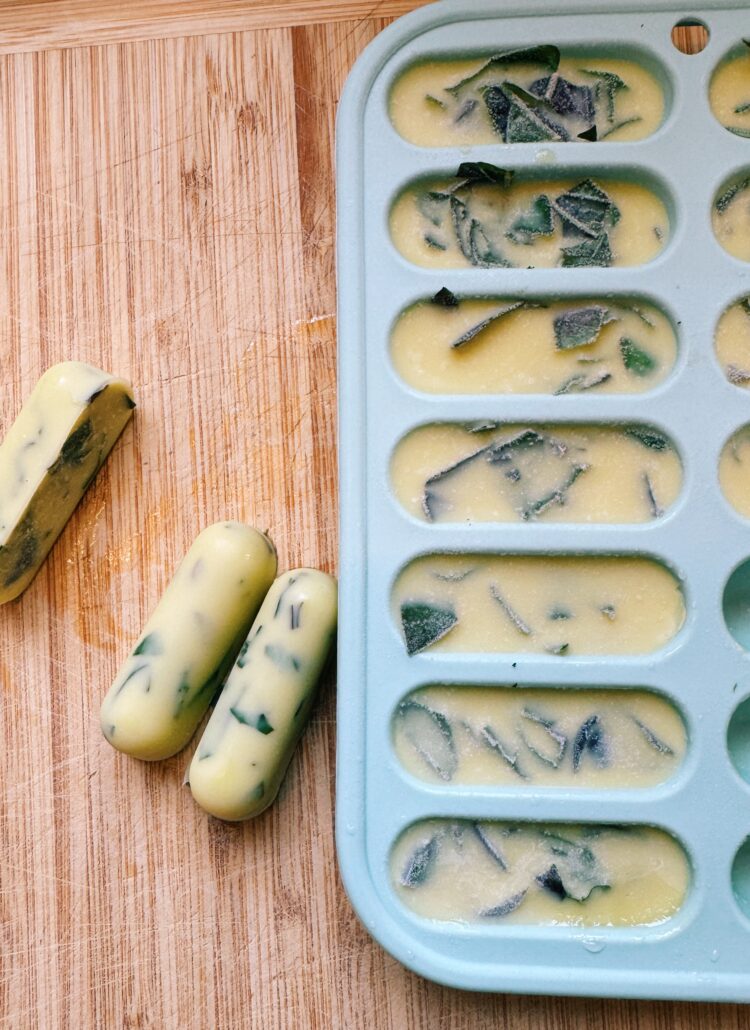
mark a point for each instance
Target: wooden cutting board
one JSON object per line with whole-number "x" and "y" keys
{"x": 167, "y": 212}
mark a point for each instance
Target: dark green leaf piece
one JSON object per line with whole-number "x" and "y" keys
{"x": 432, "y": 241}
{"x": 611, "y": 84}
{"x": 590, "y": 739}
{"x": 557, "y": 649}
{"x": 651, "y": 739}
{"x": 75, "y": 450}
{"x": 566, "y": 98}
{"x": 430, "y": 734}
{"x": 445, "y": 299}
{"x": 589, "y": 135}
{"x": 435, "y": 101}
{"x": 557, "y": 496}
{"x": 586, "y": 210}
{"x": 512, "y": 614}
{"x": 475, "y": 330}
{"x": 489, "y": 845}
{"x": 151, "y": 644}
{"x": 283, "y": 658}
{"x": 483, "y": 171}
{"x": 648, "y": 437}
{"x": 546, "y": 55}
{"x": 593, "y": 253}
{"x": 654, "y": 507}
{"x": 488, "y": 737}
{"x": 635, "y": 358}
{"x": 608, "y": 611}
{"x": 27, "y": 552}
{"x": 424, "y": 624}
{"x": 536, "y": 221}
{"x": 739, "y": 132}
{"x": 738, "y": 376}
{"x": 420, "y": 863}
{"x": 725, "y": 199}
{"x": 505, "y": 907}
{"x": 577, "y": 867}
{"x": 520, "y": 117}
{"x": 258, "y": 722}
{"x": 542, "y": 738}
{"x": 580, "y": 327}
{"x": 621, "y": 125}
{"x": 551, "y": 881}
{"x": 580, "y": 382}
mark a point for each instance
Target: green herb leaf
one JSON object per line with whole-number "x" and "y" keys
{"x": 648, "y": 437}
{"x": 590, "y": 739}
{"x": 505, "y": 907}
{"x": 731, "y": 193}
{"x": 566, "y": 98}
{"x": 536, "y": 221}
{"x": 75, "y": 450}
{"x": 258, "y": 722}
{"x": 424, "y": 624}
{"x": 475, "y": 330}
{"x": 588, "y": 254}
{"x": 621, "y": 125}
{"x": 435, "y": 101}
{"x": 580, "y": 382}
{"x": 430, "y": 734}
{"x": 651, "y": 739}
{"x": 654, "y": 507}
{"x": 558, "y": 495}
{"x": 445, "y": 299}
{"x": 279, "y": 655}
{"x": 520, "y": 117}
{"x": 490, "y": 846}
{"x": 483, "y": 171}
{"x": 745, "y": 133}
{"x": 542, "y": 738}
{"x": 420, "y": 863}
{"x": 545, "y": 55}
{"x": 635, "y": 358}
{"x": 611, "y": 83}
{"x": 512, "y": 614}
{"x": 580, "y": 327}
{"x": 151, "y": 644}
{"x": 586, "y": 209}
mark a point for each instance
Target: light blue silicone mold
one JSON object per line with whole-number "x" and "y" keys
{"x": 704, "y": 951}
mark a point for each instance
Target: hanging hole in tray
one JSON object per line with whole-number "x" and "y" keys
{"x": 741, "y": 877}
{"x": 738, "y": 739}
{"x": 690, "y": 36}
{"x": 736, "y": 605}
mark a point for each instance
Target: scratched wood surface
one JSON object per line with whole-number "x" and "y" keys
{"x": 166, "y": 212}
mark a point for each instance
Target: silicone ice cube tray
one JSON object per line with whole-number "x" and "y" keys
{"x": 703, "y": 951}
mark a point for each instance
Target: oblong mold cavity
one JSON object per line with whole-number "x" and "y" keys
{"x": 741, "y": 877}
{"x": 501, "y": 873}
{"x": 502, "y": 345}
{"x": 485, "y": 217}
{"x": 730, "y": 215}
{"x": 506, "y": 603}
{"x": 738, "y": 739}
{"x": 734, "y": 471}
{"x": 485, "y": 471}
{"x": 736, "y": 604}
{"x": 534, "y": 94}
{"x": 729, "y": 90}
{"x": 601, "y": 739}
{"x": 732, "y": 342}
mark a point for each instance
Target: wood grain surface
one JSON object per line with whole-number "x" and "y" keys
{"x": 167, "y": 212}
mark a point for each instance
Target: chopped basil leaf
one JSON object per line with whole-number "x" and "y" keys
{"x": 655, "y": 742}
{"x": 511, "y": 613}
{"x": 621, "y": 125}
{"x": 490, "y": 846}
{"x": 542, "y": 738}
{"x": 586, "y": 209}
{"x": 475, "y": 330}
{"x": 151, "y": 644}
{"x": 635, "y": 358}
{"x": 588, "y": 254}
{"x": 611, "y": 84}
{"x": 490, "y": 739}
{"x": 430, "y": 734}
{"x": 505, "y": 907}
{"x": 550, "y": 881}
{"x": 545, "y": 55}
{"x": 536, "y": 221}
{"x": 580, "y": 326}
{"x": 445, "y": 299}
{"x": 283, "y": 658}
{"x": 590, "y": 738}
{"x": 648, "y": 437}
{"x": 257, "y": 722}
{"x": 565, "y": 97}
{"x": 424, "y": 624}
{"x": 483, "y": 171}
{"x": 420, "y": 863}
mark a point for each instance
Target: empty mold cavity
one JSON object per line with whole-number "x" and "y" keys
{"x": 456, "y": 345}
{"x": 486, "y": 217}
{"x": 541, "y": 737}
{"x": 484, "y": 471}
{"x": 732, "y": 342}
{"x": 738, "y": 739}
{"x": 734, "y": 471}
{"x": 498, "y": 873}
{"x": 508, "y": 604}
{"x": 730, "y": 215}
{"x": 741, "y": 877}
{"x": 736, "y": 604}
{"x": 729, "y": 92}
{"x": 529, "y": 95}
